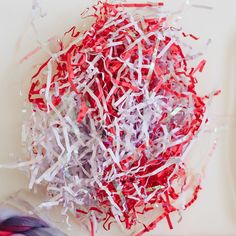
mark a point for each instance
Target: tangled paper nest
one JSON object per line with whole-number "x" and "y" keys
{"x": 113, "y": 114}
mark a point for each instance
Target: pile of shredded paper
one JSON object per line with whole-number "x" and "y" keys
{"x": 113, "y": 114}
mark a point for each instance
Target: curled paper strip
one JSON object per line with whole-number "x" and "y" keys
{"x": 113, "y": 114}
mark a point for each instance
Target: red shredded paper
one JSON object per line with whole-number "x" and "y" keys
{"x": 137, "y": 109}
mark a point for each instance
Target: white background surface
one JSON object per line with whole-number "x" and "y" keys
{"x": 215, "y": 211}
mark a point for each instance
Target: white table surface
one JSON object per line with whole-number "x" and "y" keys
{"x": 215, "y": 211}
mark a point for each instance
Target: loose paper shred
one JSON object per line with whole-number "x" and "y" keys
{"x": 113, "y": 115}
